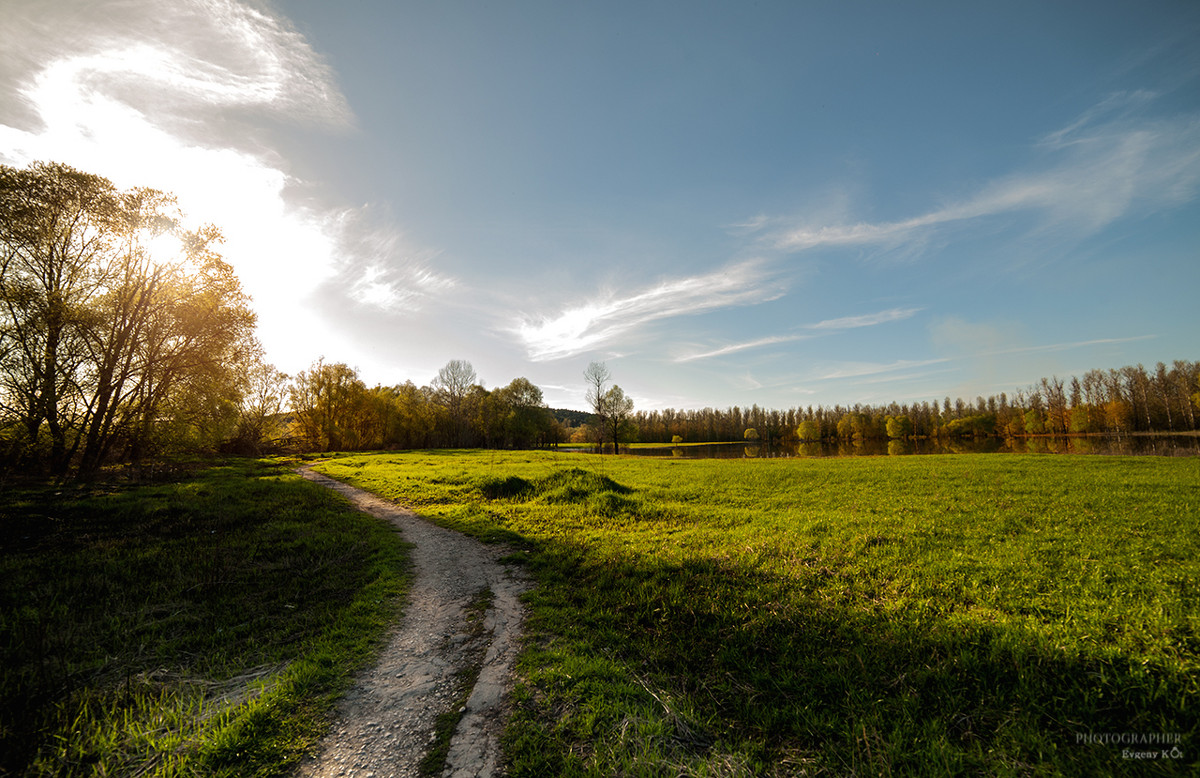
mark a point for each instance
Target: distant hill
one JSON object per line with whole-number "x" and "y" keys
{"x": 571, "y": 418}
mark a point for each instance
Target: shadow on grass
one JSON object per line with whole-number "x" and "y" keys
{"x": 130, "y": 620}
{"x": 802, "y": 672}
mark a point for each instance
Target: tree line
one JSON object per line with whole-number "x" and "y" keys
{"x": 124, "y": 336}
{"x": 1120, "y": 401}
{"x": 331, "y": 409}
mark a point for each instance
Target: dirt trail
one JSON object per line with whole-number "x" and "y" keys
{"x": 386, "y": 721}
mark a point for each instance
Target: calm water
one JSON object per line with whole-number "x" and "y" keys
{"x": 1160, "y": 445}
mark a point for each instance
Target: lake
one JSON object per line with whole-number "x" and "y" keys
{"x": 1139, "y": 445}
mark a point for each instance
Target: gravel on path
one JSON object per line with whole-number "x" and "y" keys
{"x": 385, "y": 723}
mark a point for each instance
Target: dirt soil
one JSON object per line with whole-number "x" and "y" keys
{"x": 385, "y": 723}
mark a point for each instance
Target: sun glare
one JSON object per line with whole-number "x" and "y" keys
{"x": 94, "y": 116}
{"x": 163, "y": 248}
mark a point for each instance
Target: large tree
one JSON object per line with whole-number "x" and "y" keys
{"x": 330, "y": 407}
{"x": 453, "y": 386}
{"x": 527, "y": 420}
{"x": 105, "y": 339}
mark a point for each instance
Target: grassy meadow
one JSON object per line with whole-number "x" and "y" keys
{"x": 978, "y": 614}
{"x": 199, "y": 627}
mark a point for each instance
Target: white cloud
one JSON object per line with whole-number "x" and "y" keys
{"x": 176, "y": 95}
{"x": 596, "y": 323}
{"x": 1097, "y": 172}
{"x": 844, "y": 323}
{"x": 859, "y": 369}
{"x": 868, "y": 320}
{"x": 381, "y": 270}
{"x": 736, "y": 347}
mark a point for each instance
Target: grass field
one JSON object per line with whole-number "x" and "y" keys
{"x": 200, "y": 627}
{"x": 999, "y": 615}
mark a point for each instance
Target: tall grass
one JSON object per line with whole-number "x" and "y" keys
{"x": 1009, "y": 615}
{"x": 197, "y": 627}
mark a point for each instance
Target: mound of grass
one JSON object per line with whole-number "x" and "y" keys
{"x": 572, "y": 485}
{"x": 576, "y": 485}
{"x": 508, "y": 487}
{"x": 197, "y": 627}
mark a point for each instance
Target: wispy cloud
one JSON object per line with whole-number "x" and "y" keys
{"x": 827, "y": 326}
{"x": 867, "y": 320}
{"x": 859, "y": 369}
{"x": 178, "y": 95}
{"x": 1109, "y": 163}
{"x": 1065, "y": 346}
{"x": 600, "y": 322}
{"x": 959, "y": 338}
{"x": 382, "y": 270}
{"x": 736, "y": 347}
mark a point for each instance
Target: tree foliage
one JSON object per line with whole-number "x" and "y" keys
{"x": 617, "y": 411}
{"x": 105, "y": 343}
{"x": 332, "y": 409}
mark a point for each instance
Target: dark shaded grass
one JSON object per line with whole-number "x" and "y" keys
{"x": 778, "y": 675}
{"x": 929, "y": 616}
{"x": 202, "y": 625}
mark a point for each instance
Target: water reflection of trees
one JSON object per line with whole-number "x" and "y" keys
{"x": 1043, "y": 444}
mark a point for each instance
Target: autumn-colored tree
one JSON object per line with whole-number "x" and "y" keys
{"x": 809, "y": 430}
{"x": 899, "y": 427}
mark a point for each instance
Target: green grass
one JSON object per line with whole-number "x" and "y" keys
{"x": 624, "y": 446}
{"x": 981, "y": 614}
{"x": 202, "y": 627}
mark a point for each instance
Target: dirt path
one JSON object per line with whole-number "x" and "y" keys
{"x": 385, "y": 723}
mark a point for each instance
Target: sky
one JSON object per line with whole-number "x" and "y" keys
{"x": 728, "y": 203}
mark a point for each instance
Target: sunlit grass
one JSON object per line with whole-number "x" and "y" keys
{"x": 925, "y": 615}
{"x": 198, "y": 627}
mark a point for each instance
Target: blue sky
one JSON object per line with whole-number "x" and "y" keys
{"x": 728, "y": 203}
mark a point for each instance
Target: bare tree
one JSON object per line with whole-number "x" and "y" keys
{"x": 453, "y": 383}
{"x": 259, "y": 412}
{"x": 597, "y": 378}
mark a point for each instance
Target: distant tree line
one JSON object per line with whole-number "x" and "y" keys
{"x": 124, "y": 336}
{"x": 1118, "y": 402}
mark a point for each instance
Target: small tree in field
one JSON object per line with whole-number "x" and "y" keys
{"x": 618, "y": 408}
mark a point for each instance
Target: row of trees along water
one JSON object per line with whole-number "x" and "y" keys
{"x": 1117, "y": 402}
{"x": 124, "y": 336}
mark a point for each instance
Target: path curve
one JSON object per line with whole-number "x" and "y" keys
{"x": 385, "y": 722}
